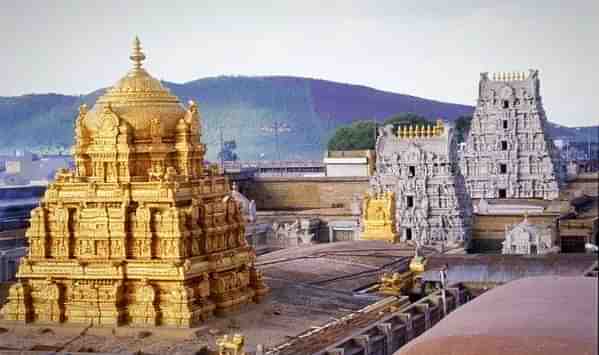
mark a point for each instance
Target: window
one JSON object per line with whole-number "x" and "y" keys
{"x": 410, "y": 201}
{"x": 503, "y": 145}
{"x": 506, "y": 104}
{"x": 411, "y": 171}
{"x": 502, "y": 193}
{"x": 408, "y": 233}
{"x": 503, "y": 168}
{"x": 504, "y": 124}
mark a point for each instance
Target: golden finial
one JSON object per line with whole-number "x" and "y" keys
{"x": 137, "y": 56}
{"x": 429, "y": 131}
{"x": 400, "y": 131}
{"x": 439, "y": 127}
{"x": 411, "y": 132}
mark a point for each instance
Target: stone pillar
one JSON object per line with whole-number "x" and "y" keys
{"x": 363, "y": 341}
{"x": 407, "y": 319}
{"x": 3, "y": 267}
{"x": 331, "y": 235}
{"x": 427, "y": 314}
{"x": 385, "y": 328}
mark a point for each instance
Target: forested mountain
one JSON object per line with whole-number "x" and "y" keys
{"x": 244, "y": 107}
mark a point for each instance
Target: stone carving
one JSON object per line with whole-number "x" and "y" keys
{"x": 508, "y": 152}
{"x": 111, "y": 246}
{"x": 291, "y": 234}
{"x": 18, "y": 307}
{"x": 396, "y": 284}
{"x": 529, "y": 239}
{"x": 228, "y": 345}
{"x": 418, "y": 165}
{"x": 378, "y": 217}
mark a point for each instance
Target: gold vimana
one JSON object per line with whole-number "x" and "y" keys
{"x": 141, "y": 233}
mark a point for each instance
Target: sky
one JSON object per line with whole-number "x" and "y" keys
{"x": 431, "y": 49}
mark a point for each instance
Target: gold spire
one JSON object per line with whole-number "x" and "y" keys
{"x": 137, "y": 56}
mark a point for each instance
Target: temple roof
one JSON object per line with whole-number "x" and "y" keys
{"x": 539, "y": 315}
{"x": 137, "y": 98}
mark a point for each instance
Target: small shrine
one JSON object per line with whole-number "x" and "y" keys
{"x": 378, "y": 217}
{"x": 527, "y": 238}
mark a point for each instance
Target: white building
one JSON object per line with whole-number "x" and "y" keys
{"x": 530, "y": 239}
{"x": 349, "y": 163}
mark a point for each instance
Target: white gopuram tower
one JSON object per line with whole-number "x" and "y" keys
{"x": 508, "y": 152}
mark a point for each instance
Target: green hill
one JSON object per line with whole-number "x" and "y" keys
{"x": 241, "y": 106}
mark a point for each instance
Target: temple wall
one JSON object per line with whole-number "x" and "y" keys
{"x": 488, "y": 231}
{"x": 588, "y": 183}
{"x": 285, "y": 193}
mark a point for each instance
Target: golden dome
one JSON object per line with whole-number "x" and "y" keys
{"x": 137, "y": 98}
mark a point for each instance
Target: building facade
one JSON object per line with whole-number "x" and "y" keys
{"x": 508, "y": 151}
{"x": 419, "y": 165}
{"x": 141, "y": 232}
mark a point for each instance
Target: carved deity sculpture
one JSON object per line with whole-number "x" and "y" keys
{"x": 228, "y": 345}
{"x": 379, "y": 217}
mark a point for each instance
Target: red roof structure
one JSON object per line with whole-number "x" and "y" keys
{"x": 531, "y": 316}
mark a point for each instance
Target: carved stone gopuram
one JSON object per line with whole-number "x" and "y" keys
{"x": 508, "y": 152}
{"x": 141, "y": 233}
{"x": 378, "y": 217}
{"x": 419, "y": 165}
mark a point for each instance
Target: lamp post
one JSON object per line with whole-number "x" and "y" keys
{"x": 443, "y": 277}
{"x": 276, "y": 128}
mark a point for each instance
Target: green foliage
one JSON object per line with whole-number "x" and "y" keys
{"x": 228, "y": 151}
{"x": 462, "y": 126}
{"x": 407, "y": 119}
{"x": 358, "y": 135}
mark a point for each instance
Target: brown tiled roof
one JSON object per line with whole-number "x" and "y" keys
{"x": 539, "y": 315}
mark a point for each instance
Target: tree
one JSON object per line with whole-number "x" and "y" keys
{"x": 228, "y": 151}
{"x": 358, "y": 135}
{"x": 462, "y": 126}
{"x": 407, "y": 119}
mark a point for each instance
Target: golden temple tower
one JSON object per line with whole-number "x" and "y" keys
{"x": 140, "y": 233}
